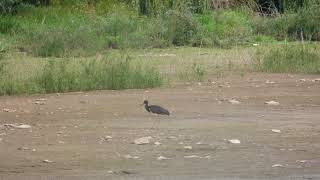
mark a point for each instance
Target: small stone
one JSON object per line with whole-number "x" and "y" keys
{"x": 23, "y": 148}
{"x": 108, "y": 137}
{"x": 234, "y": 141}
{"x": 172, "y": 137}
{"x": 192, "y": 157}
{"x": 9, "y": 110}
{"x": 269, "y": 82}
{"x": 47, "y": 161}
{"x": 40, "y": 102}
{"x": 131, "y": 157}
{"x": 316, "y": 80}
{"x": 276, "y": 130}
{"x": 160, "y": 158}
{"x": 272, "y": 103}
{"x": 22, "y": 126}
{"x": 188, "y": 147}
{"x": 105, "y": 139}
{"x": 84, "y": 102}
{"x": 277, "y": 165}
{"x": 157, "y": 143}
{"x": 301, "y": 161}
{"x": 143, "y": 140}
{"x": 233, "y": 101}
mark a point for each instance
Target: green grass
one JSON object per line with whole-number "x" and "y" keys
{"x": 62, "y": 43}
{"x": 193, "y": 72}
{"x": 288, "y": 58}
{"x": 63, "y": 75}
{"x": 226, "y": 28}
{"x": 299, "y": 24}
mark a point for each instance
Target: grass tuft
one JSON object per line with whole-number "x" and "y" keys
{"x": 288, "y": 58}
{"x": 61, "y": 75}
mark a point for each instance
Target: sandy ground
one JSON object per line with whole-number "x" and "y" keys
{"x": 70, "y": 130}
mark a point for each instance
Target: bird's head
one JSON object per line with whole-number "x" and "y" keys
{"x": 145, "y": 102}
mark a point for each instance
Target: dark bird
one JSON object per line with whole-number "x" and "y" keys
{"x": 155, "y": 109}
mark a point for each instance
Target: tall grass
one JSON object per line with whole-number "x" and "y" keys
{"x": 289, "y": 58}
{"x": 226, "y": 28}
{"x": 295, "y": 24}
{"x": 193, "y": 72}
{"x": 61, "y": 75}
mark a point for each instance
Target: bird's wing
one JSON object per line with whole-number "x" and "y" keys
{"x": 159, "y": 109}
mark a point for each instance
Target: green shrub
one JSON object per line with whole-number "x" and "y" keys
{"x": 8, "y": 6}
{"x": 308, "y": 22}
{"x": 58, "y": 76}
{"x": 264, "y": 39}
{"x": 61, "y": 42}
{"x": 61, "y": 75}
{"x": 181, "y": 27}
{"x": 226, "y": 27}
{"x": 303, "y": 23}
{"x": 298, "y": 58}
{"x": 281, "y": 27}
{"x": 118, "y": 28}
{"x": 9, "y": 25}
{"x": 81, "y": 40}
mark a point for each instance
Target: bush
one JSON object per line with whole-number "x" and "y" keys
{"x": 69, "y": 35}
{"x": 308, "y": 22}
{"x": 227, "y": 28}
{"x": 60, "y": 42}
{"x": 118, "y": 28}
{"x": 292, "y": 25}
{"x": 181, "y": 27}
{"x": 61, "y": 75}
{"x": 9, "y": 25}
{"x": 8, "y": 6}
{"x": 288, "y": 59}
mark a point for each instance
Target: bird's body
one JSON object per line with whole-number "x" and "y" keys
{"x": 155, "y": 109}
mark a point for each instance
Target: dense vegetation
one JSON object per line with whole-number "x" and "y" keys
{"x": 76, "y": 28}
{"x": 81, "y": 28}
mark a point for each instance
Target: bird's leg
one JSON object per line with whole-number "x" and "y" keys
{"x": 154, "y": 122}
{"x": 158, "y": 122}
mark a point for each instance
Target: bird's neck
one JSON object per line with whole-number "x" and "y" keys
{"x": 147, "y": 107}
